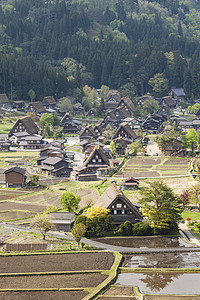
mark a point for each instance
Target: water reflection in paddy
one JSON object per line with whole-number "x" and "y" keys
{"x": 163, "y": 260}
{"x": 162, "y": 283}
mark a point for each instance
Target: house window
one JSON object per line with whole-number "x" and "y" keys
{"x": 113, "y": 206}
{"x": 124, "y": 206}
{"x": 123, "y": 211}
{"x": 99, "y": 160}
{"x": 94, "y": 160}
{"x": 119, "y": 205}
{"x": 115, "y": 212}
{"x": 96, "y": 156}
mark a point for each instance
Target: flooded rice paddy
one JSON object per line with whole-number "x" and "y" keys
{"x": 145, "y": 242}
{"x": 162, "y": 283}
{"x": 163, "y": 260}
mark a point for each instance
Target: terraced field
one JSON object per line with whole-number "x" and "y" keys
{"x": 148, "y": 167}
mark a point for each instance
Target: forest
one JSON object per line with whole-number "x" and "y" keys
{"x": 57, "y": 47}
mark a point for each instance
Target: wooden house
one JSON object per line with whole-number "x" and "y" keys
{"x": 78, "y": 110}
{"x": 97, "y": 159}
{"x": 112, "y": 100}
{"x": 98, "y": 129}
{"x": 36, "y": 107}
{"x": 91, "y": 113}
{"x": 127, "y": 104}
{"x": 121, "y": 144}
{"x": 15, "y": 177}
{"x": 121, "y": 208}
{"x": 18, "y": 104}
{"x": 49, "y": 102}
{"x": 125, "y": 131}
{"x": 82, "y": 173}
{"x": 178, "y": 94}
{"x": 25, "y": 124}
{"x": 88, "y": 133}
{"x": 56, "y": 166}
{"x": 31, "y": 142}
{"x": 62, "y": 221}
{"x": 4, "y": 99}
{"x": 70, "y": 125}
{"x": 130, "y": 184}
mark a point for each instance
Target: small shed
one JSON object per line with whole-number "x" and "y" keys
{"x": 15, "y": 177}
{"x": 130, "y": 184}
{"x": 63, "y": 221}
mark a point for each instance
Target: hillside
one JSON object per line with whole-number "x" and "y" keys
{"x": 55, "y": 47}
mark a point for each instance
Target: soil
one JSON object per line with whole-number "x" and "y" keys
{"x": 51, "y": 281}
{"x": 116, "y": 298}
{"x": 160, "y": 297}
{"x": 20, "y": 206}
{"x": 173, "y": 161}
{"x": 147, "y": 242}
{"x": 56, "y": 262}
{"x": 120, "y": 291}
{"x": 44, "y": 295}
{"x": 10, "y": 215}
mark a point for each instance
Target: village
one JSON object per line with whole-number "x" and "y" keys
{"x": 80, "y": 176}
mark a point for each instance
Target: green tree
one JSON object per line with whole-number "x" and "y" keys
{"x": 78, "y": 231}
{"x": 194, "y": 194}
{"x": 43, "y": 224}
{"x": 70, "y": 201}
{"x": 113, "y": 148}
{"x": 46, "y": 119}
{"x": 150, "y": 106}
{"x": 34, "y": 180}
{"x": 192, "y": 139}
{"x": 162, "y": 207}
{"x": 65, "y": 105}
{"x": 135, "y": 148}
{"x": 31, "y": 94}
{"x": 159, "y": 85}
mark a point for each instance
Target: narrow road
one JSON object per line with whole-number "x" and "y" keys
{"x": 105, "y": 246}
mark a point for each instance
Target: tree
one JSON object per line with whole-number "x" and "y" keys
{"x": 31, "y": 94}
{"x": 34, "y": 180}
{"x": 46, "y": 119}
{"x": 70, "y": 201}
{"x": 96, "y": 212}
{"x": 78, "y": 231}
{"x": 135, "y": 147}
{"x": 43, "y": 224}
{"x": 159, "y": 85}
{"x": 65, "y": 105}
{"x": 113, "y": 148}
{"x": 150, "y": 106}
{"x": 192, "y": 139}
{"x": 194, "y": 194}
{"x": 162, "y": 207}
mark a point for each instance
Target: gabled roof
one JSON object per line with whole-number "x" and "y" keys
{"x": 178, "y": 92}
{"x": 15, "y": 169}
{"x": 28, "y": 123}
{"x": 110, "y": 195}
{"x": 130, "y": 181}
{"x": 3, "y": 98}
{"x": 52, "y": 160}
{"x": 66, "y": 118}
{"x": 50, "y": 100}
{"x": 97, "y": 149}
{"x": 37, "y": 106}
{"x": 112, "y": 94}
{"x": 126, "y": 127}
{"x": 127, "y": 101}
{"x": 88, "y": 131}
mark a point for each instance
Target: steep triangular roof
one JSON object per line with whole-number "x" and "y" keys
{"x": 37, "y": 106}
{"x": 28, "y": 123}
{"x": 65, "y": 118}
{"x": 126, "y": 127}
{"x": 97, "y": 149}
{"x": 127, "y": 101}
{"x": 50, "y": 100}
{"x": 88, "y": 131}
{"x": 111, "y": 194}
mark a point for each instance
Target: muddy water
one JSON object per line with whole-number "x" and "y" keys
{"x": 163, "y": 260}
{"x": 145, "y": 242}
{"x": 162, "y": 283}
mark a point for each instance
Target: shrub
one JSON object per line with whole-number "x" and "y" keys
{"x": 141, "y": 228}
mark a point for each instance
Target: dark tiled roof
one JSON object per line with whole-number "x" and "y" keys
{"x": 178, "y": 92}
{"x": 15, "y": 169}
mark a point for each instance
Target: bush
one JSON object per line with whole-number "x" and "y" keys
{"x": 141, "y": 228}
{"x": 125, "y": 229}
